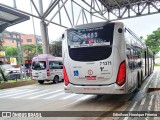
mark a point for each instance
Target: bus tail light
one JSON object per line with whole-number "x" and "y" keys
{"x": 121, "y": 77}
{"x": 66, "y": 80}
{"x": 48, "y": 72}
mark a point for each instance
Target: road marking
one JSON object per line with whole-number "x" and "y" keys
{"x": 53, "y": 96}
{"x": 148, "y": 82}
{"x": 143, "y": 101}
{"x": 132, "y": 108}
{"x": 7, "y": 90}
{"x": 31, "y": 93}
{"x": 156, "y": 79}
{"x": 84, "y": 97}
{"x": 69, "y": 96}
{"x": 13, "y": 91}
{"x": 150, "y": 105}
{"x": 150, "y": 102}
{"x": 45, "y": 94}
{"x": 18, "y": 93}
{"x": 141, "y": 105}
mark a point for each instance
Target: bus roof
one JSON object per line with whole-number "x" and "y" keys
{"x": 95, "y": 24}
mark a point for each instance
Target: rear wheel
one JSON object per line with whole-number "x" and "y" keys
{"x": 56, "y": 79}
{"x": 40, "y": 81}
{"x": 141, "y": 76}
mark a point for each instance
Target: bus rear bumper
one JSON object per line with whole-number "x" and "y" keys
{"x": 105, "y": 89}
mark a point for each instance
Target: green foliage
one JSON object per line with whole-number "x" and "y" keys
{"x": 153, "y": 41}
{"x": 39, "y": 48}
{"x": 141, "y": 37}
{"x": 30, "y": 49}
{"x": 157, "y": 65}
{"x": 56, "y": 48}
{"x": 2, "y": 76}
{"x": 10, "y": 51}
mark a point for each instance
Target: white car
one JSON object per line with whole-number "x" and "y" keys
{"x": 12, "y": 73}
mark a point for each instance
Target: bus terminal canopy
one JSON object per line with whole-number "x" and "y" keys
{"x": 10, "y": 17}
{"x": 116, "y": 4}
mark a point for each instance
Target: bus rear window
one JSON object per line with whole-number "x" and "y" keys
{"x": 39, "y": 65}
{"x": 98, "y": 36}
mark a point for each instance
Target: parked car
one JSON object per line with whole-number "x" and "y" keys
{"x": 13, "y": 73}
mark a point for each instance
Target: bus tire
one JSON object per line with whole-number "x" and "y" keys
{"x": 56, "y": 79}
{"x": 40, "y": 81}
{"x": 142, "y": 76}
{"x": 139, "y": 81}
{"x": 150, "y": 70}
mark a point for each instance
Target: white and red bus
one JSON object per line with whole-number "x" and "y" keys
{"x": 104, "y": 58}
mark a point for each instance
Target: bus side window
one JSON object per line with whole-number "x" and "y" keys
{"x": 129, "y": 54}
{"x": 55, "y": 65}
{"x": 62, "y": 36}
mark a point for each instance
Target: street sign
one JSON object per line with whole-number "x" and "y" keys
{"x": 13, "y": 61}
{"x": 2, "y": 54}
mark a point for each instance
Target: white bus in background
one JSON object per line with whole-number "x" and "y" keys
{"x": 104, "y": 58}
{"x": 46, "y": 67}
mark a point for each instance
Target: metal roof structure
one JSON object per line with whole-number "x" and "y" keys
{"x": 85, "y": 11}
{"x": 10, "y": 17}
{"x": 69, "y": 13}
{"x": 123, "y": 9}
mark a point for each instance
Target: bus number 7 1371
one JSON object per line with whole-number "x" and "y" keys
{"x": 108, "y": 58}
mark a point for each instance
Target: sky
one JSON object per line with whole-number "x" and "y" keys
{"x": 142, "y": 26}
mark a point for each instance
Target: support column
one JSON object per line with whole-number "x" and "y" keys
{"x": 44, "y": 31}
{"x": 14, "y": 4}
{"x": 45, "y": 40}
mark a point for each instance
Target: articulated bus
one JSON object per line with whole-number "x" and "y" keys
{"x": 104, "y": 58}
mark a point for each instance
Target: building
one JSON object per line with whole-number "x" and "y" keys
{"x": 8, "y": 38}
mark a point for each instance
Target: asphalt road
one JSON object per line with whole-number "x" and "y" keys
{"x": 51, "y": 97}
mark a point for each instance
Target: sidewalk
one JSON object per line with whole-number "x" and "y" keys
{"x": 154, "y": 88}
{"x": 155, "y": 83}
{"x": 17, "y": 84}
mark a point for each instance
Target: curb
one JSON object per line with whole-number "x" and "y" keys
{"x": 153, "y": 89}
{"x": 17, "y": 84}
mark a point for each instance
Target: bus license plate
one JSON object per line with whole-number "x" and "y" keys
{"x": 90, "y": 77}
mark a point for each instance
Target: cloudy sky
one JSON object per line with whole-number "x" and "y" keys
{"x": 142, "y": 26}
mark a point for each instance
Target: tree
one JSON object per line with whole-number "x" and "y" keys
{"x": 39, "y": 49}
{"x": 10, "y": 51}
{"x": 56, "y": 48}
{"x": 1, "y": 43}
{"x": 153, "y": 41}
{"x": 30, "y": 49}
